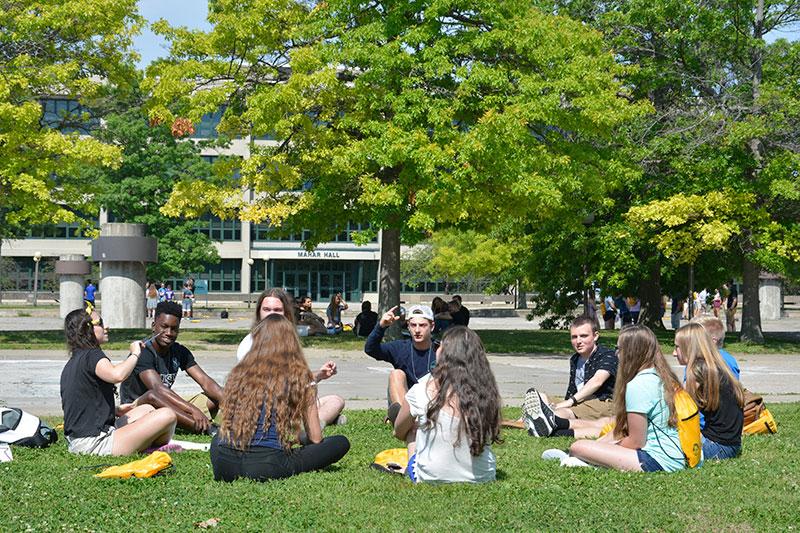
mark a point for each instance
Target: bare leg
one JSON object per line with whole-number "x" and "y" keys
{"x": 606, "y": 454}
{"x": 397, "y": 387}
{"x": 329, "y": 407}
{"x": 153, "y": 429}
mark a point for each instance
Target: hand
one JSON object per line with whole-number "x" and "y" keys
{"x": 136, "y": 348}
{"x": 124, "y": 408}
{"x": 326, "y": 371}
{"x": 200, "y": 421}
{"x": 389, "y": 317}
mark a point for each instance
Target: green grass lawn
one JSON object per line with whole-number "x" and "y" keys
{"x": 496, "y": 341}
{"x": 45, "y": 490}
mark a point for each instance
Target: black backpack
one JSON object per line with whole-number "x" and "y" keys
{"x": 24, "y": 429}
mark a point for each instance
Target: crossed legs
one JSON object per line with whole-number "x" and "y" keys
{"x": 142, "y": 427}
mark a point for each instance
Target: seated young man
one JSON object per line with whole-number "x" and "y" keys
{"x": 588, "y": 404}
{"x": 412, "y": 358}
{"x": 307, "y": 317}
{"x": 365, "y": 320}
{"x": 152, "y": 379}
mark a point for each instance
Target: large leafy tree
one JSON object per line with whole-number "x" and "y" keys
{"x": 75, "y": 48}
{"x": 410, "y": 116}
{"x": 154, "y": 157}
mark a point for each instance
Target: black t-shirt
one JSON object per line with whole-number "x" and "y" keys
{"x": 366, "y": 322}
{"x": 732, "y": 295}
{"x": 724, "y": 426}
{"x": 461, "y": 317}
{"x": 601, "y": 359}
{"x": 87, "y": 400}
{"x": 177, "y": 358}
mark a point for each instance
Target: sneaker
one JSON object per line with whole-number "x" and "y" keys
{"x": 212, "y": 430}
{"x": 571, "y": 462}
{"x": 392, "y": 412}
{"x": 538, "y": 417}
{"x": 554, "y": 454}
{"x": 341, "y": 420}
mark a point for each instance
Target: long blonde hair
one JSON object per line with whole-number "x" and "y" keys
{"x": 705, "y": 367}
{"x": 273, "y": 376}
{"x": 638, "y": 349}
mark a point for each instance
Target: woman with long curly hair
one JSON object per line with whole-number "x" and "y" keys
{"x": 717, "y": 392}
{"x": 451, "y": 417}
{"x": 92, "y": 425}
{"x": 645, "y": 437}
{"x": 268, "y": 396}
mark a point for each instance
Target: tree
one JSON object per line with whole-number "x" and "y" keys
{"x": 411, "y": 116}
{"x": 77, "y": 48}
{"x": 152, "y": 160}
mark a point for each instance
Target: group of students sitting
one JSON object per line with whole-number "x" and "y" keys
{"x": 444, "y": 402}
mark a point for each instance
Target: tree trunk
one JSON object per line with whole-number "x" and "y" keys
{"x": 751, "y": 311}
{"x": 389, "y": 274}
{"x": 650, "y": 295}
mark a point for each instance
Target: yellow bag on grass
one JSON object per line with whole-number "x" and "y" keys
{"x": 392, "y": 461}
{"x": 147, "y": 467}
{"x": 764, "y": 424}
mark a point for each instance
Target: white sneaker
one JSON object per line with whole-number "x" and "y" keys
{"x": 554, "y": 454}
{"x": 538, "y": 417}
{"x": 573, "y": 462}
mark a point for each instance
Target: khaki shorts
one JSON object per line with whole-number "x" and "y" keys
{"x": 593, "y": 409}
{"x": 102, "y": 444}
{"x": 201, "y": 402}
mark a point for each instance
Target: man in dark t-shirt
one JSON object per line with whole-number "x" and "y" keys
{"x": 161, "y": 358}
{"x": 460, "y": 317}
{"x": 366, "y": 320}
{"x": 731, "y": 303}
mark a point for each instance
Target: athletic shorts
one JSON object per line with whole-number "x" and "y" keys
{"x": 593, "y": 409}
{"x": 102, "y": 444}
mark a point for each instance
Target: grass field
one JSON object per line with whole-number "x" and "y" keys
{"x": 496, "y": 341}
{"x": 46, "y": 490}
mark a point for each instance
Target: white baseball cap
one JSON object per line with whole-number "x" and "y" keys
{"x": 419, "y": 311}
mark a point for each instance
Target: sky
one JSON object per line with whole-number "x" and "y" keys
{"x": 192, "y": 14}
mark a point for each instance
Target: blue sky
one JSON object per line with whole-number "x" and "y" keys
{"x": 192, "y": 13}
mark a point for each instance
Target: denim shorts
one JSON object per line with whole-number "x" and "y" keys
{"x": 410, "y": 468}
{"x": 647, "y": 463}
{"x": 715, "y": 450}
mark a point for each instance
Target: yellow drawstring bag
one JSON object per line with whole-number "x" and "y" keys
{"x": 392, "y": 461}
{"x": 146, "y": 467}
{"x": 765, "y": 423}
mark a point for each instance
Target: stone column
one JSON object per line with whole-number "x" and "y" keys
{"x": 73, "y": 270}
{"x": 770, "y": 297}
{"x": 122, "y": 250}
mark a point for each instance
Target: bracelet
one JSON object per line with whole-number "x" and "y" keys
{"x": 574, "y": 400}
{"x": 133, "y": 354}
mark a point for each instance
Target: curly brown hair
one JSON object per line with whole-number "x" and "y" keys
{"x": 465, "y": 380}
{"x": 274, "y": 377}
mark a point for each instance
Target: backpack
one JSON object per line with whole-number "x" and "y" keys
{"x": 141, "y": 468}
{"x": 392, "y": 461}
{"x": 24, "y": 429}
{"x": 753, "y": 406}
{"x": 689, "y": 428}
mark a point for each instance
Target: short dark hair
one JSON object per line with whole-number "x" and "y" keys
{"x": 78, "y": 330}
{"x": 366, "y": 305}
{"x": 582, "y": 321}
{"x": 168, "y": 308}
{"x": 457, "y": 297}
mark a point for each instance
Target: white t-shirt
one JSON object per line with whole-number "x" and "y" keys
{"x": 244, "y": 347}
{"x": 438, "y": 459}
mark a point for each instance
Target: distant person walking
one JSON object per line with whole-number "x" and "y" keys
{"x": 89, "y": 292}
{"x": 731, "y": 303}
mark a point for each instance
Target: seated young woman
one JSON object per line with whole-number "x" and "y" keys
{"x": 277, "y": 302}
{"x": 645, "y": 437}
{"x": 451, "y": 417}
{"x": 268, "y": 396}
{"x": 715, "y": 390}
{"x": 91, "y": 425}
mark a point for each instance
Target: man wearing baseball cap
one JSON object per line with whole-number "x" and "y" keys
{"x": 411, "y": 358}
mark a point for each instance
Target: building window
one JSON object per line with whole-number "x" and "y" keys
{"x": 58, "y": 231}
{"x": 265, "y": 232}
{"x": 18, "y": 273}
{"x": 320, "y": 279}
{"x": 207, "y": 129}
{"x": 67, "y": 116}
{"x": 258, "y": 275}
{"x": 220, "y": 230}
{"x": 225, "y": 276}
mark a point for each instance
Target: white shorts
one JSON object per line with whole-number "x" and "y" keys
{"x": 102, "y": 444}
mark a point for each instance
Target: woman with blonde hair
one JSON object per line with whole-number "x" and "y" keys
{"x": 268, "y": 396}
{"x": 645, "y": 437}
{"x": 715, "y": 390}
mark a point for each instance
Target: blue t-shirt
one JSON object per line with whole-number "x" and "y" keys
{"x": 90, "y": 290}
{"x": 268, "y": 438}
{"x": 645, "y": 395}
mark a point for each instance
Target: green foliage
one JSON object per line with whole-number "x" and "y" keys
{"x": 152, "y": 161}
{"x": 54, "y": 489}
{"x": 78, "y": 48}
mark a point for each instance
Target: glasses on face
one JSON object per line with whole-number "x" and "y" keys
{"x": 98, "y": 322}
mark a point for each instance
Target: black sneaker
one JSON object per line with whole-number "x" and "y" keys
{"x": 538, "y": 417}
{"x": 392, "y": 412}
{"x": 212, "y": 430}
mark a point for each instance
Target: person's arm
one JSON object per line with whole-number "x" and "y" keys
{"x": 404, "y": 422}
{"x": 111, "y": 373}
{"x": 326, "y": 371}
{"x": 210, "y": 387}
{"x": 188, "y": 414}
{"x": 373, "y": 346}
{"x": 637, "y": 432}
{"x": 311, "y": 423}
{"x": 587, "y": 391}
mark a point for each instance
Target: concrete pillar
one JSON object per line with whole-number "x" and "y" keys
{"x": 73, "y": 269}
{"x": 770, "y": 297}
{"x": 122, "y": 250}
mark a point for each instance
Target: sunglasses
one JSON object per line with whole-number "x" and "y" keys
{"x": 98, "y": 322}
